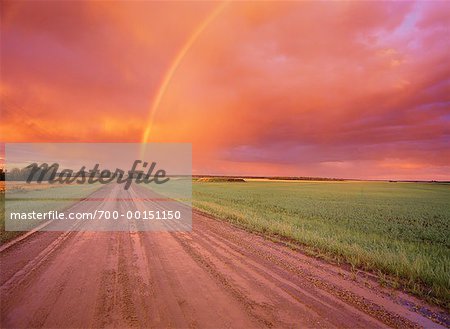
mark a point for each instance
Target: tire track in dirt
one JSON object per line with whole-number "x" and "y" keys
{"x": 217, "y": 276}
{"x": 287, "y": 294}
{"x": 301, "y": 287}
{"x": 274, "y": 294}
{"x": 332, "y": 279}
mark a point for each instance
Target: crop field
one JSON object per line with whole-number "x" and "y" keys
{"x": 37, "y": 197}
{"x": 400, "y": 231}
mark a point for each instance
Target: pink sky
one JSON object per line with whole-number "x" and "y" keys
{"x": 337, "y": 89}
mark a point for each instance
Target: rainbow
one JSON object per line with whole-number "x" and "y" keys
{"x": 173, "y": 67}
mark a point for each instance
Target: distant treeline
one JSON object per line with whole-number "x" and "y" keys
{"x": 17, "y": 174}
{"x": 272, "y": 178}
{"x": 23, "y": 174}
{"x": 305, "y": 178}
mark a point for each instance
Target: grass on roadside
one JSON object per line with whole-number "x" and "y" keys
{"x": 26, "y": 198}
{"x": 398, "y": 229}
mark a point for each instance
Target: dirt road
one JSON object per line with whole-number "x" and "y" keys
{"x": 216, "y": 276}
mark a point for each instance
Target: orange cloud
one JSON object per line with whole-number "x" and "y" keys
{"x": 342, "y": 89}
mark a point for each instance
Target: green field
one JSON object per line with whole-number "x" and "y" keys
{"x": 400, "y": 231}
{"x": 40, "y": 199}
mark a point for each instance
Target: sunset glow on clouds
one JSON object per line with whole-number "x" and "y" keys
{"x": 335, "y": 89}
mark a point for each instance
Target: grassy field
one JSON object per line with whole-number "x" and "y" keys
{"x": 401, "y": 231}
{"x": 37, "y": 197}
